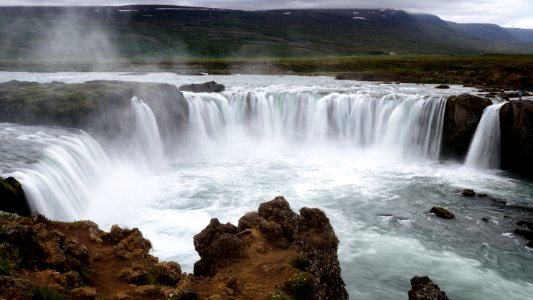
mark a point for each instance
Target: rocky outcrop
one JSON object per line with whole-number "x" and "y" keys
{"x": 468, "y": 193}
{"x": 100, "y": 107}
{"x": 206, "y": 87}
{"x": 273, "y": 253}
{"x": 277, "y": 230}
{"x": 12, "y": 198}
{"x": 461, "y": 118}
{"x": 516, "y": 124}
{"x": 41, "y": 259}
{"x": 422, "y": 288}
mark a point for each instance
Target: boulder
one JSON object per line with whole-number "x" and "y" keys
{"x": 206, "y": 87}
{"x": 461, "y": 118}
{"x": 217, "y": 246}
{"x": 442, "y": 212}
{"x": 12, "y": 198}
{"x": 442, "y": 86}
{"x": 422, "y": 288}
{"x": 469, "y": 193}
{"x": 15, "y": 288}
{"x": 516, "y": 124}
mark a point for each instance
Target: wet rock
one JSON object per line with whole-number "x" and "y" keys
{"x": 461, "y": 117}
{"x": 206, "y": 87}
{"x": 442, "y": 86}
{"x": 528, "y": 234}
{"x": 516, "y": 124}
{"x": 442, "y": 212}
{"x": 12, "y": 198}
{"x": 483, "y": 195}
{"x": 468, "y": 193}
{"x": 530, "y": 244}
{"x": 217, "y": 246}
{"x": 528, "y": 224}
{"x": 422, "y": 288}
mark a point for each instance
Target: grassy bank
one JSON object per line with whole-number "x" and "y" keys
{"x": 514, "y": 71}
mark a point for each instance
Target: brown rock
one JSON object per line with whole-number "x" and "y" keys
{"x": 206, "y": 87}
{"x": 168, "y": 273}
{"x": 15, "y": 288}
{"x": 442, "y": 212}
{"x": 52, "y": 279}
{"x": 83, "y": 293}
{"x": 468, "y": 193}
{"x": 422, "y": 288}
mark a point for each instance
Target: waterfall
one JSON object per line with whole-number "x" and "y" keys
{"x": 408, "y": 124}
{"x": 59, "y": 184}
{"x": 146, "y": 131}
{"x": 484, "y": 151}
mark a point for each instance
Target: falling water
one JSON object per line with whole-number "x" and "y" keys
{"x": 407, "y": 124}
{"x": 484, "y": 152}
{"x": 148, "y": 139}
{"x": 59, "y": 185}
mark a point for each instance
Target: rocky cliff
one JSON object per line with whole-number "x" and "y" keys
{"x": 462, "y": 115}
{"x": 99, "y": 107}
{"x": 272, "y": 254}
{"x": 516, "y": 124}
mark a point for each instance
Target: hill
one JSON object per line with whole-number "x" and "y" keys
{"x": 163, "y": 31}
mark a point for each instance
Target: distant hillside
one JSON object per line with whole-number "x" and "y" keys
{"x": 524, "y": 35}
{"x": 162, "y": 31}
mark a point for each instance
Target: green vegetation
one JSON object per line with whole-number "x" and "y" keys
{"x": 47, "y": 293}
{"x": 278, "y": 295}
{"x": 299, "y": 287}
{"x": 300, "y": 262}
{"x": 9, "y": 262}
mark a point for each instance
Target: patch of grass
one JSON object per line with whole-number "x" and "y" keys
{"x": 300, "y": 262}
{"x": 46, "y": 293}
{"x": 278, "y": 295}
{"x": 5, "y": 266}
{"x": 300, "y": 286}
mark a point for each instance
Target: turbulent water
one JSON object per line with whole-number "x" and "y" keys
{"x": 365, "y": 153}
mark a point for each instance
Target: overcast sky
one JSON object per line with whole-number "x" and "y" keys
{"x": 508, "y": 13}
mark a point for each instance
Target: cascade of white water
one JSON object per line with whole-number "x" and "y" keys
{"x": 484, "y": 151}
{"x": 59, "y": 184}
{"x": 409, "y": 124}
{"x": 146, "y": 131}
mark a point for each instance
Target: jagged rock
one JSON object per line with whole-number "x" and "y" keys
{"x": 72, "y": 278}
{"x": 516, "y": 124}
{"x": 461, "y": 118}
{"x": 168, "y": 273}
{"x": 422, "y": 288}
{"x": 309, "y": 233}
{"x": 468, "y": 193}
{"x": 206, "y": 87}
{"x": 442, "y": 212}
{"x": 217, "y": 245}
{"x": 83, "y": 293}
{"x": 15, "y": 288}
{"x": 442, "y": 86}
{"x": 483, "y": 195}
{"x": 12, "y": 198}
{"x": 528, "y": 224}
{"x": 51, "y": 278}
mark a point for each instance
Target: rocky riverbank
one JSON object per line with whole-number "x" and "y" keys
{"x": 273, "y": 253}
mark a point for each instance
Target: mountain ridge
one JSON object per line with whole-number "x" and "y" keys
{"x": 165, "y": 30}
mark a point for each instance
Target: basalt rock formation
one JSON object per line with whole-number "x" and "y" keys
{"x": 422, "y": 288}
{"x": 206, "y": 87}
{"x": 516, "y": 124}
{"x": 273, "y": 253}
{"x": 12, "y": 198}
{"x": 302, "y": 248}
{"x": 99, "y": 107}
{"x": 462, "y": 115}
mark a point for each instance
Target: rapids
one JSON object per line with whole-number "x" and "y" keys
{"x": 365, "y": 153}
